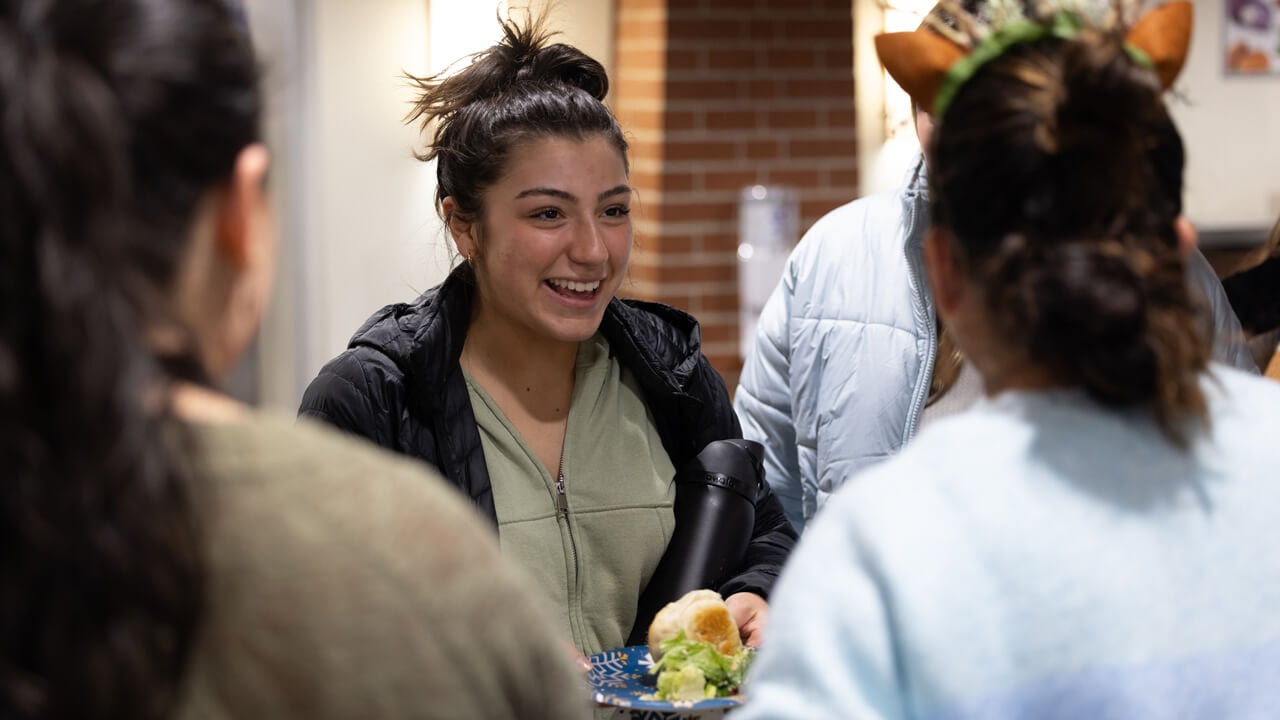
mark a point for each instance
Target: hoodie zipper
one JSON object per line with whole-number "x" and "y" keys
{"x": 562, "y": 509}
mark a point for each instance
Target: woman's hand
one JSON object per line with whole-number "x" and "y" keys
{"x": 751, "y": 613}
{"x": 580, "y": 661}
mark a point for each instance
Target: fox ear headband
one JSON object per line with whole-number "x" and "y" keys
{"x": 931, "y": 66}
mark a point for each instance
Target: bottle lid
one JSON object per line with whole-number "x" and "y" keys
{"x": 735, "y": 464}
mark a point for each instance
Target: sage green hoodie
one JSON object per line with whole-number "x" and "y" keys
{"x": 592, "y": 549}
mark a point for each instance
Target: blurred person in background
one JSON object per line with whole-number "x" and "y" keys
{"x": 1091, "y": 539}
{"x": 850, "y": 359}
{"x": 1255, "y": 296}
{"x": 164, "y": 551}
{"x": 560, "y": 410}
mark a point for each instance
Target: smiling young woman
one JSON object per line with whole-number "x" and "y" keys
{"x": 561, "y": 410}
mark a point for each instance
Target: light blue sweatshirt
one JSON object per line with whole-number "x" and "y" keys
{"x": 1041, "y": 557}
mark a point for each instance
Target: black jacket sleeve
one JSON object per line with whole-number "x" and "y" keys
{"x": 770, "y": 545}
{"x": 354, "y": 393}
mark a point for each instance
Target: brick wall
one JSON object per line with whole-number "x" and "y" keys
{"x": 716, "y": 95}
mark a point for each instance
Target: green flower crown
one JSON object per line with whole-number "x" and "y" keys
{"x": 1005, "y": 25}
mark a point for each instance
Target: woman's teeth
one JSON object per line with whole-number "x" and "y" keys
{"x": 578, "y": 287}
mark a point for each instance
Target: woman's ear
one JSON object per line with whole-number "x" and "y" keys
{"x": 924, "y": 128}
{"x": 243, "y": 206}
{"x": 944, "y": 276}
{"x": 1187, "y": 235}
{"x": 461, "y": 230}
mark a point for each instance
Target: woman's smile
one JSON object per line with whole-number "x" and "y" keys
{"x": 575, "y": 294}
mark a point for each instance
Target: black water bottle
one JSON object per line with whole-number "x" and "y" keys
{"x": 715, "y": 513}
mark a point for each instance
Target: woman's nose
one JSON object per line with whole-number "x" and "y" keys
{"x": 588, "y": 246}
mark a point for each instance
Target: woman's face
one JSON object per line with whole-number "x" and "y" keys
{"x": 555, "y": 238}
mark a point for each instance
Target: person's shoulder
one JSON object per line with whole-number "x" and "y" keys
{"x": 396, "y": 335}
{"x": 336, "y": 472}
{"x": 322, "y": 492}
{"x": 356, "y": 367}
{"x": 1238, "y": 382}
{"x": 666, "y": 336}
{"x": 871, "y": 216}
{"x": 861, "y": 242}
{"x": 954, "y": 451}
{"x": 393, "y": 333}
{"x": 1239, "y": 397}
{"x": 372, "y": 371}
{"x": 368, "y": 570}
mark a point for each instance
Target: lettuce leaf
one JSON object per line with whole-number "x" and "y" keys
{"x": 722, "y": 674}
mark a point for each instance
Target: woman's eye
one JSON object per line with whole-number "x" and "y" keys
{"x": 548, "y": 214}
{"x": 618, "y": 211}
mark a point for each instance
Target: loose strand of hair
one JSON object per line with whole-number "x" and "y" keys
{"x": 474, "y": 77}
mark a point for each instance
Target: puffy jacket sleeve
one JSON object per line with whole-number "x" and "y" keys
{"x": 763, "y": 400}
{"x": 1230, "y": 345}
{"x": 357, "y": 392}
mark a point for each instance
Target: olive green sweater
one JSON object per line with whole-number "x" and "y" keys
{"x": 349, "y": 583}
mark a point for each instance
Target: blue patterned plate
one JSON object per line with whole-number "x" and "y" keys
{"x": 621, "y": 678}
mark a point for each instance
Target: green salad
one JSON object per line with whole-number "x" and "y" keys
{"x": 691, "y": 671}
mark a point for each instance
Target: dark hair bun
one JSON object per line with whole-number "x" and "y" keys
{"x": 1090, "y": 306}
{"x": 560, "y": 63}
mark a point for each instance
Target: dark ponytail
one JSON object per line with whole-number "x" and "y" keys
{"x": 1059, "y": 173}
{"x": 520, "y": 89}
{"x": 119, "y": 116}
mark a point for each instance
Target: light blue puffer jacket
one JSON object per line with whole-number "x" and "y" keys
{"x": 844, "y": 350}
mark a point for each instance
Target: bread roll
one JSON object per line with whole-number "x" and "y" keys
{"x": 703, "y": 617}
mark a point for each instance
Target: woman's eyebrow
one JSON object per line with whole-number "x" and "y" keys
{"x": 570, "y": 197}
{"x": 552, "y": 192}
{"x": 619, "y": 190}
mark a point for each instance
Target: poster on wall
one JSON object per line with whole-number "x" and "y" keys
{"x": 1252, "y": 37}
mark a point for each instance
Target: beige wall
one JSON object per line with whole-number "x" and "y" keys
{"x": 1229, "y": 125}
{"x": 270, "y": 373}
{"x": 368, "y": 223}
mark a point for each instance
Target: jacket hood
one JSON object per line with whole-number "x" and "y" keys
{"x": 391, "y": 330}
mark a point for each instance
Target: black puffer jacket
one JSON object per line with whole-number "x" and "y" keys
{"x": 400, "y": 384}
